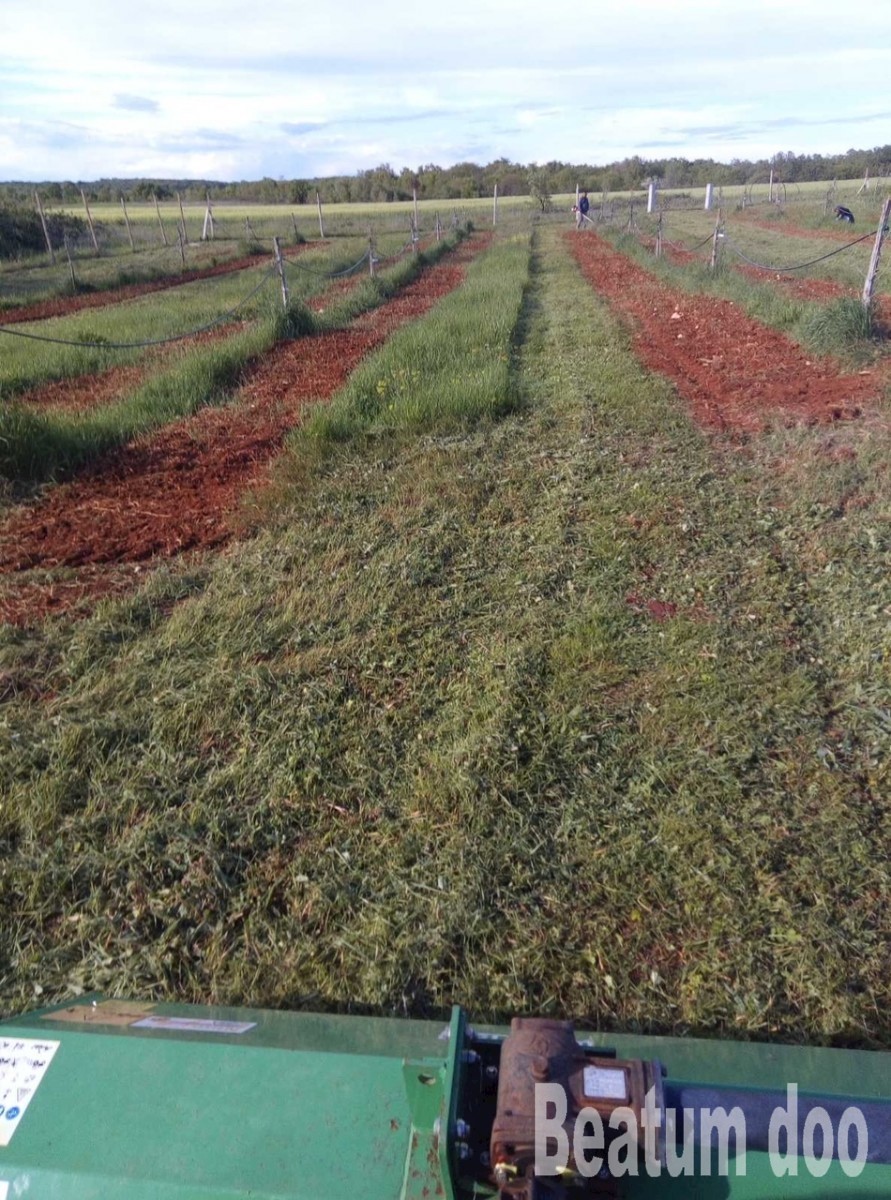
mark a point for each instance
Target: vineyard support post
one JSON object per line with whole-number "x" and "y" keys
{"x": 870, "y": 283}
{"x": 49, "y": 244}
{"x": 160, "y": 222}
{"x": 127, "y": 220}
{"x": 714, "y": 259}
{"x": 70, "y": 264}
{"x": 182, "y": 217}
{"x": 90, "y": 220}
{"x": 280, "y": 264}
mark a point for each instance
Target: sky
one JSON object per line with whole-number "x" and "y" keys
{"x": 288, "y": 89}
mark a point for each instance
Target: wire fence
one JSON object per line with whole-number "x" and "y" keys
{"x": 278, "y": 268}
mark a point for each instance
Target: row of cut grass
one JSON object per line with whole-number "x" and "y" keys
{"x": 25, "y": 363}
{"x": 37, "y": 445}
{"x": 452, "y": 367}
{"x": 36, "y": 280}
{"x": 576, "y": 712}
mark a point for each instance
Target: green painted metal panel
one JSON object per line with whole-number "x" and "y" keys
{"x": 306, "y": 1107}
{"x": 299, "y": 1106}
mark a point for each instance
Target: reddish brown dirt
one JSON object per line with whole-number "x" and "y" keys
{"x": 733, "y": 371}
{"x": 63, "y": 306}
{"x": 176, "y": 491}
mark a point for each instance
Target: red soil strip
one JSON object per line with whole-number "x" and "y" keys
{"x": 63, "y": 306}
{"x": 733, "y": 371}
{"x": 176, "y": 491}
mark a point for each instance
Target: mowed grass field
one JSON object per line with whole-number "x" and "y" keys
{"x": 521, "y": 692}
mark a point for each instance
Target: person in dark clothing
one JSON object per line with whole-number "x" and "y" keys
{"x": 844, "y": 214}
{"x": 582, "y": 213}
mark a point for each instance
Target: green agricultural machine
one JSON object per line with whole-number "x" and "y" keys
{"x": 112, "y": 1100}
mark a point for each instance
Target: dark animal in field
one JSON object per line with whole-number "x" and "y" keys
{"x": 844, "y": 214}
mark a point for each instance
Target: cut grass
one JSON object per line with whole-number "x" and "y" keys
{"x": 573, "y": 712}
{"x": 36, "y": 446}
{"x": 442, "y": 372}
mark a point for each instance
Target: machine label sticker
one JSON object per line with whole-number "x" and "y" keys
{"x": 605, "y": 1083}
{"x": 195, "y": 1025}
{"x": 23, "y": 1063}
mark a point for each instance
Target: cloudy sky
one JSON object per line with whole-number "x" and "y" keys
{"x": 288, "y": 88}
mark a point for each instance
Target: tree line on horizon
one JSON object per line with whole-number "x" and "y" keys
{"x": 466, "y": 180}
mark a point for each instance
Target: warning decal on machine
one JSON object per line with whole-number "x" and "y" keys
{"x": 194, "y": 1025}
{"x": 605, "y": 1083}
{"x": 23, "y": 1063}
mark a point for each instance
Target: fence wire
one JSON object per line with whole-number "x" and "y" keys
{"x": 166, "y": 341}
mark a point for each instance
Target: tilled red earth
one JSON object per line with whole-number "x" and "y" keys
{"x": 176, "y": 491}
{"x": 734, "y": 372}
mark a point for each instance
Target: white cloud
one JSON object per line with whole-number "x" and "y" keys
{"x": 303, "y": 88}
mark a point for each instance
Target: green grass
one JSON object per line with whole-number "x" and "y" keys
{"x": 38, "y": 445}
{"x": 419, "y": 380}
{"x": 36, "y": 279}
{"x": 776, "y": 247}
{"x": 575, "y": 711}
{"x": 168, "y": 314}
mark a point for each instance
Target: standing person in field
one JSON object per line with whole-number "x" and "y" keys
{"x": 582, "y": 214}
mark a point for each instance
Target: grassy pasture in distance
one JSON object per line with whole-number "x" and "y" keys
{"x": 428, "y": 736}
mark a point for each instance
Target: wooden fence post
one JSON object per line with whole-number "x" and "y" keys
{"x": 70, "y": 264}
{"x": 279, "y": 262}
{"x": 182, "y": 247}
{"x": 49, "y": 244}
{"x": 319, "y": 207}
{"x": 714, "y": 259}
{"x": 160, "y": 222}
{"x": 870, "y": 283}
{"x": 90, "y": 221}
{"x": 659, "y": 237}
{"x": 127, "y": 219}
{"x": 495, "y": 206}
{"x": 182, "y": 217}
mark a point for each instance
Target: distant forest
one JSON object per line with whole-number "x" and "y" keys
{"x": 466, "y": 180}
